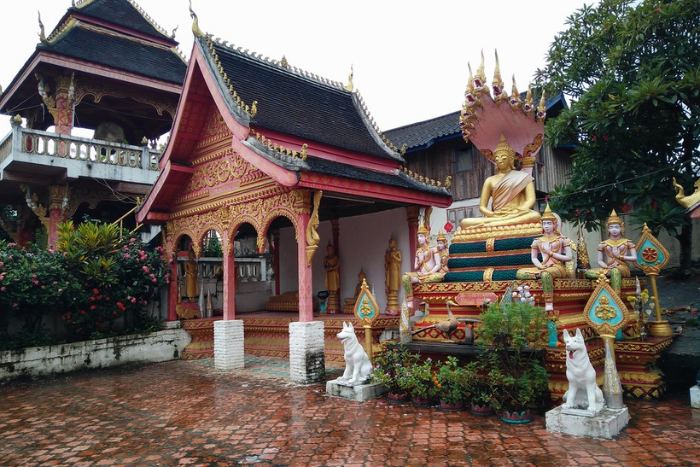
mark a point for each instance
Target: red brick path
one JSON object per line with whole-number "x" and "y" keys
{"x": 188, "y": 413}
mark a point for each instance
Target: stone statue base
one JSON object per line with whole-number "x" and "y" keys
{"x": 695, "y": 397}
{"x": 487, "y": 232}
{"x": 605, "y": 424}
{"x": 359, "y": 393}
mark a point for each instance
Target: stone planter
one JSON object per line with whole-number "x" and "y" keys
{"x": 153, "y": 347}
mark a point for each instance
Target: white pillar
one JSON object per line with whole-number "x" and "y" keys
{"x": 228, "y": 345}
{"x": 307, "y": 363}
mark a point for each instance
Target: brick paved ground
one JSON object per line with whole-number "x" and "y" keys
{"x": 188, "y": 413}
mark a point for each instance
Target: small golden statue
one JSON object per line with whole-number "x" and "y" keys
{"x": 332, "y": 282}
{"x": 191, "y": 276}
{"x": 690, "y": 200}
{"x": 392, "y": 266}
{"x": 512, "y": 194}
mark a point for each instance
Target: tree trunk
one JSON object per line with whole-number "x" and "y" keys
{"x": 686, "y": 243}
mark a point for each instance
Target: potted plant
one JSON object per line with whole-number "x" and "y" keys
{"x": 452, "y": 380}
{"x": 390, "y": 370}
{"x": 479, "y": 391}
{"x": 512, "y": 333}
{"x": 420, "y": 383}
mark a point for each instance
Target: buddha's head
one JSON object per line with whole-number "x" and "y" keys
{"x": 504, "y": 156}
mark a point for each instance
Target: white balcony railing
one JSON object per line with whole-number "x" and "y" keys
{"x": 42, "y": 143}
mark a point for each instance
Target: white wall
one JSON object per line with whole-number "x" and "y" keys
{"x": 363, "y": 243}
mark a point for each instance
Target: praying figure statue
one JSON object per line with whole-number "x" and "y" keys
{"x": 392, "y": 266}
{"x": 426, "y": 264}
{"x": 555, "y": 250}
{"x": 511, "y": 192}
{"x": 614, "y": 253}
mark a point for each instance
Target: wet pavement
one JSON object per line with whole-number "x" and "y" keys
{"x": 188, "y": 413}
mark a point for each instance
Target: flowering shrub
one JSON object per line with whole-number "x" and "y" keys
{"x": 92, "y": 278}
{"x": 420, "y": 381}
{"x": 452, "y": 381}
{"x": 389, "y": 368}
{"x": 33, "y": 280}
{"x": 118, "y": 274}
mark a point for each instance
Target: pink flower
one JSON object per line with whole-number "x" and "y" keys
{"x": 60, "y": 290}
{"x": 145, "y": 269}
{"x": 96, "y": 291}
{"x": 132, "y": 240}
{"x": 133, "y": 300}
{"x": 51, "y": 250}
{"x": 127, "y": 256}
{"x": 55, "y": 283}
{"x": 2, "y": 289}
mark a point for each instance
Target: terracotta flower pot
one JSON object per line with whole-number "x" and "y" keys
{"x": 452, "y": 406}
{"x": 481, "y": 410}
{"x": 523, "y": 416}
{"x": 422, "y": 402}
{"x": 397, "y": 397}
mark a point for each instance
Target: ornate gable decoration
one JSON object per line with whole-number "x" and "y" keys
{"x": 366, "y": 308}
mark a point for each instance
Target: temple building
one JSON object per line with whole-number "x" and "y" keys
{"x": 261, "y": 149}
{"x": 107, "y": 68}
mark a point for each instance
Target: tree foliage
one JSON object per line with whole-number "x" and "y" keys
{"x": 632, "y": 71}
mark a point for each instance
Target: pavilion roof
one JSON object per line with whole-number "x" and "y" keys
{"x": 124, "y": 14}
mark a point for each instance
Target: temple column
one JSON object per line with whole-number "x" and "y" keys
{"x": 412, "y": 213}
{"x": 174, "y": 296}
{"x": 65, "y": 92}
{"x": 306, "y": 346}
{"x": 306, "y": 306}
{"x": 336, "y": 243}
{"x": 228, "y": 333}
{"x": 58, "y": 201}
{"x": 276, "y": 259}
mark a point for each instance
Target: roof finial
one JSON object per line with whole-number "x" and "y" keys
{"x": 195, "y": 23}
{"x": 284, "y": 62}
{"x": 349, "y": 87}
{"x": 42, "y": 35}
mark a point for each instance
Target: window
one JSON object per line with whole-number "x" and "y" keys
{"x": 464, "y": 159}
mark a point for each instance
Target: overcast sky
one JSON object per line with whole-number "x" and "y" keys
{"x": 410, "y": 60}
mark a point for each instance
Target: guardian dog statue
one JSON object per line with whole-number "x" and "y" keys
{"x": 357, "y": 364}
{"x": 581, "y": 375}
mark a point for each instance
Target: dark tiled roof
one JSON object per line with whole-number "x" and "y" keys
{"x": 122, "y": 13}
{"x": 326, "y": 167}
{"x": 120, "y": 53}
{"x": 298, "y": 105}
{"x": 423, "y": 134}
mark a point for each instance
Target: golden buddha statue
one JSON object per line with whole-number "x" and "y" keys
{"x": 392, "y": 266}
{"x": 511, "y": 192}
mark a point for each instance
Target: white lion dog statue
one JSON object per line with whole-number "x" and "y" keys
{"x": 581, "y": 376}
{"x": 357, "y": 364}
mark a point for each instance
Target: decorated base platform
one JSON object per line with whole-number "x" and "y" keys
{"x": 266, "y": 334}
{"x": 607, "y": 424}
{"x": 359, "y": 393}
{"x": 636, "y": 359}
